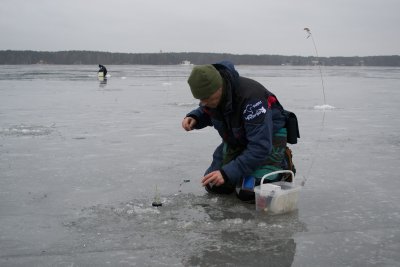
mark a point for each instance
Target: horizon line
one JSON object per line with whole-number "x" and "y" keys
{"x": 163, "y": 52}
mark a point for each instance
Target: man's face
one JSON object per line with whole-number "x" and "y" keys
{"x": 213, "y": 100}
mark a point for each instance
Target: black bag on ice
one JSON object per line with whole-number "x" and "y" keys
{"x": 292, "y": 127}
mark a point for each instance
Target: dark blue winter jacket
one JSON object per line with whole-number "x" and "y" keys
{"x": 246, "y": 119}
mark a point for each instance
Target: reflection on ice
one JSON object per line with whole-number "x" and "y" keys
{"x": 206, "y": 229}
{"x": 185, "y": 104}
{"x": 324, "y": 107}
{"x": 27, "y": 130}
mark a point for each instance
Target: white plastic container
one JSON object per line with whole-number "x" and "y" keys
{"x": 276, "y": 198}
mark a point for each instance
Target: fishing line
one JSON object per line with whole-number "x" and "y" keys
{"x": 316, "y": 149}
{"x": 323, "y": 107}
{"x": 157, "y": 200}
{"x": 183, "y": 182}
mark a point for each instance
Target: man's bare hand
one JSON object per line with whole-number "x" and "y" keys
{"x": 188, "y": 123}
{"x": 213, "y": 178}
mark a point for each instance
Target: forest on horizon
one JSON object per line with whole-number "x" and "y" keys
{"x": 16, "y": 57}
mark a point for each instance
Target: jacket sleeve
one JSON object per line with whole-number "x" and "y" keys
{"x": 202, "y": 117}
{"x": 258, "y": 126}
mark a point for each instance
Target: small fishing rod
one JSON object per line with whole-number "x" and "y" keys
{"x": 309, "y": 34}
{"x": 157, "y": 200}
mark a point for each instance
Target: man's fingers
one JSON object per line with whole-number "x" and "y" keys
{"x": 188, "y": 123}
{"x": 192, "y": 122}
{"x": 207, "y": 179}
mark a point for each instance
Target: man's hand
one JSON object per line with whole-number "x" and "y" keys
{"x": 213, "y": 178}
{"x": 188, "y": 123}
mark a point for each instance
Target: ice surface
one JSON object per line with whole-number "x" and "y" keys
{"x": 80, "y": 158}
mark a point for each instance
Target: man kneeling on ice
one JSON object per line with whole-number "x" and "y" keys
{"x": 249, "y": 119}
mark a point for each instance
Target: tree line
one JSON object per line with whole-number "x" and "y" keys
{"x": 14, "y": 57}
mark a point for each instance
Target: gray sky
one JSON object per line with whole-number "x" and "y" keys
{"x": 339, "y": 27}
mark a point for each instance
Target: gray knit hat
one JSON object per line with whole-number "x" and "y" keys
{"x": 204, "y": 81}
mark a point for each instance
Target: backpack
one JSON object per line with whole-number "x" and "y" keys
{"x": 292, "y": 127}
{"x": 293, "y": 133}
{"x": 287, "y": 177}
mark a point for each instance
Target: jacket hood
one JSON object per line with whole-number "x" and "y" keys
{"x": 227, "y": 66}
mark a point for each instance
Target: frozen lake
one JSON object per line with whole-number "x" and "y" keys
{"x": 80, "y": 161}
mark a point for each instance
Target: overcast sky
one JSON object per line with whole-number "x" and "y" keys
{"x": 339, "y": 27}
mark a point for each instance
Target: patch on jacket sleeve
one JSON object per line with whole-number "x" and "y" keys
{"x": 254, "y": 112}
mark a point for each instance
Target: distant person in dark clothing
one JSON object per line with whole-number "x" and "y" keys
{"x": 103, "y": 70}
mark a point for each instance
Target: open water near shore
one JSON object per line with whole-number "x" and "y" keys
{"x": 80, "y": 161}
